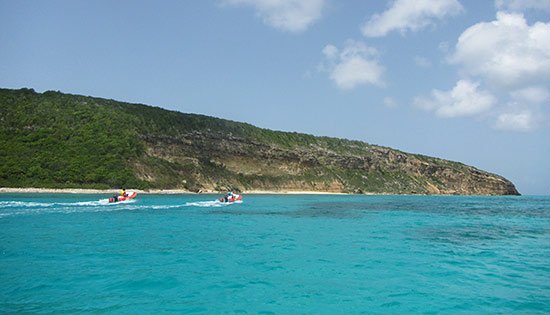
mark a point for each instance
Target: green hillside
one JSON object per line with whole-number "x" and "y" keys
{"x": 56, "y": 140}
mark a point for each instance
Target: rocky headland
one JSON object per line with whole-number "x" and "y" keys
{"x": 56, "y": 140}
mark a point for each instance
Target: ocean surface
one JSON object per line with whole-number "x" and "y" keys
{"x": 274, "y": 254}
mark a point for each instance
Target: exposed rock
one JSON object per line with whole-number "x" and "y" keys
{"x": 250, "y": 165}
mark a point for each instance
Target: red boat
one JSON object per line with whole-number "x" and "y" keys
{"x": 129, "y": 196}
{"x": 231, "y": 198}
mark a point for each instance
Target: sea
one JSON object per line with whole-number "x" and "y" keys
{"x": 274, "y": 254}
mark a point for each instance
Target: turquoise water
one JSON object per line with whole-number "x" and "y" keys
{"x": 274, "y": 254}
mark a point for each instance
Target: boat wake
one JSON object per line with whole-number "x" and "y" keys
{"x": 13, "y": 208}
{"x": 205, "y": 204}
{"x": 200, "y": 204}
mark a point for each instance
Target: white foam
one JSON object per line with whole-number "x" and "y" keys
{"x": 105, "y": 202}
{"x": 204, "y": 204}
{"x": 88, "y": 203}
{"x": 166, "y": 207}
{"x": 27, "y": 204}
{"x": 31, "y": 204}
{"x": 13, "y": 208}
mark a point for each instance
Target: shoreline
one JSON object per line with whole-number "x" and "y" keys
{"x": 32, "y": 190}
{"x": 84, "y": 191}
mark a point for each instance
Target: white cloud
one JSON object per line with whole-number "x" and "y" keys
{"x": 355, "y": 71}
{"x": 521, "y": 5}
{"x": 516, "y": 121}
{"x": 511, "y": 60}
{"x": 330, "y": 51}
{"x": 356, "y": 64}
{"x": 287, "y": 15}
{"x": 506, "y": 53}
{"x": 409, "y": 15}
{"x": 531, "y": 95}
{"x": 465, "y": 99}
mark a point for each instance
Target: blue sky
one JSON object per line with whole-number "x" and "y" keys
{"x": 464, "y": 80}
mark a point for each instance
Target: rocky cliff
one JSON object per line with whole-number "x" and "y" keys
{"x": 221, "y": 162}
{"x": 77, "y": 141}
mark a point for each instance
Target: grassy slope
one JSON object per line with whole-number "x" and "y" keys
{"x": 59, "y": 140}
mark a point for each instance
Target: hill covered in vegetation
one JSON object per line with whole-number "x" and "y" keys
{"x": 56, "y": 140}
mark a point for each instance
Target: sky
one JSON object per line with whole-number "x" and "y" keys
{"x": 464, "y": 80}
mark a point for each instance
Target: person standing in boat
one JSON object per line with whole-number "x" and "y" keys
{"x": 228, "y": 196}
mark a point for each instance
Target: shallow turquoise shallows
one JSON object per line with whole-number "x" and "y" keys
{"x": 274, "y": 254}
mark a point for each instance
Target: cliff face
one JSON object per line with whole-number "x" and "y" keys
{"x": 222, "y": 162}
{"x": 78, "y": 141}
